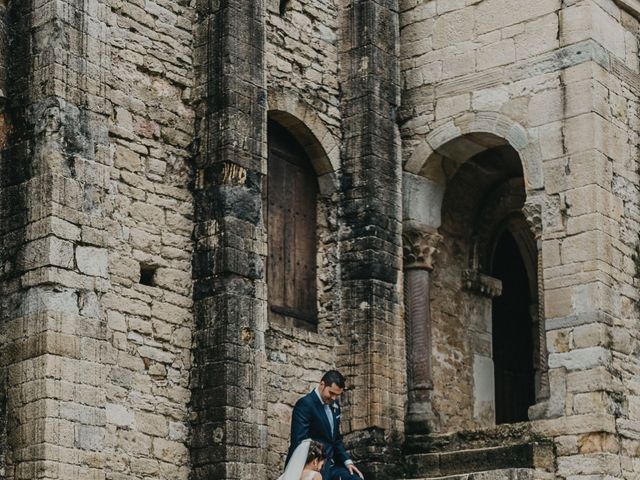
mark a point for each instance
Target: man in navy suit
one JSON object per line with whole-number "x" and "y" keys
{"x": 317, "y": 416}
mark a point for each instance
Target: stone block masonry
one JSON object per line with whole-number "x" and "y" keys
{"x": 371, "y": 222}
{"x": 149, "y": 309}
{"x": 303, "y": 93}
{"x": 578, "y": 105}
{"x": 56, "y": 354}
{"x": 101, "y": 385}
{"x": 135, "y": 340}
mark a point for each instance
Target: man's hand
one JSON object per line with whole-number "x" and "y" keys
{"x": 353, "y": 470}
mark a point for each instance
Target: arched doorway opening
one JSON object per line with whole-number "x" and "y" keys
{"x": 299, "y": 213}
{"x": 486, "y": 261}
{"x": 512, "y": 332}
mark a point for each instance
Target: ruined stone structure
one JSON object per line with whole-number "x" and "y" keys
{"x": 205, "y": 204}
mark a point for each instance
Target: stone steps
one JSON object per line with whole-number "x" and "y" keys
{"x": 502, "y": 474}
{"x": 466, "y": 464}
{"x": 497, "y": 436}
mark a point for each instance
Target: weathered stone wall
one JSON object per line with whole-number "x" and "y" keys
{"x": 372, "y": 348}
{"x": 453, "y": 335}
{"x": 303, "y": 42}
{"x": 595, "y": 343}
{"x": 12, "y": 201}
{"x": 297, "y": 357}
{"x": 55, "y": 352}
{"x": 564, "y": 76}
{"x": 5, "y": 200}
{"x": 134, "y": 334}
{"x": 4, "y": 50}
{"x": 302, "y": 56}
{"x": 150, "y": 225}
{"x": 229, "y": 402}
{"x": 457, "y": 59}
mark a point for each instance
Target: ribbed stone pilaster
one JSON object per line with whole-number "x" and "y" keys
{"x": 229, "y": 433}
{"x": 371, "y": 243}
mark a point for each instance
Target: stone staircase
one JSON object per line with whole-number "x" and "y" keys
{"x": 501, "y": 454}
{"x": 504, "y": 474}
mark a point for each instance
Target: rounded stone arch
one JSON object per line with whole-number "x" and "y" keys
{"x": 450, "y": 145}
{"x": 428, "y": 188}
{"x": 503, "y": 211}
{"x": 322, "y": 147}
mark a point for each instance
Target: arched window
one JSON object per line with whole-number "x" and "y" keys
{"x": 292, "y": 190}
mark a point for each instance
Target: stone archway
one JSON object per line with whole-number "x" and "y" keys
{"x": 513, "y": 316}
{"x": 504, "y": 248}
{"x": 321, "y": 146}
{"x": 433, "y": 167}
{"x": 450, "y": 145}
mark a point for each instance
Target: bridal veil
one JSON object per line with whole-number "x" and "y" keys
{"x": 296, "y": 464}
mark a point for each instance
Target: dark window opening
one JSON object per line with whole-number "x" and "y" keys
{"x": 283, "y": 7}
{"x": 147, "y": 274}
{"x": 291, "y": 199}
{"x": 513, "y": 347}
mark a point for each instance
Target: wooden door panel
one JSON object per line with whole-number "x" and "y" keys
{"x": 292, "y": 202}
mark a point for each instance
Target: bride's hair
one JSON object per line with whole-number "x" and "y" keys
{"x": 316, "y": 451}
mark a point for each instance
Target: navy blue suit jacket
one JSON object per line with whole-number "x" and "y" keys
{"x": 309, "y": 420}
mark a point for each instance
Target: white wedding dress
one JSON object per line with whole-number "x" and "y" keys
{"x": 297, "y": 462}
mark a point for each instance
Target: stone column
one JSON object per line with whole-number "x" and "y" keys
{"x": 371, "y": 235}
{"x": 229, "y": 428}
{"x": 419, "y": 249}
{"x": 533, "y": 213}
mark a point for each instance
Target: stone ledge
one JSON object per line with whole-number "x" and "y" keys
{"x": 582, "y": 318}
{"x": 631, "y": 6}
{"x": 496, "y": 436}
{"x": 481, "y": 284}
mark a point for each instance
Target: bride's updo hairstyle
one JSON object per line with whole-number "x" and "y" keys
{"x": 316, "y": 451}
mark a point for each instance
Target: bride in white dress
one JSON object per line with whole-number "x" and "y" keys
{"x": 306, "y": 462}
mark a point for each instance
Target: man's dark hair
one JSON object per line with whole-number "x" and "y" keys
{"x": 333, "y": 376}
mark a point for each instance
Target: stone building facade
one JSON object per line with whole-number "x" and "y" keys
{"x": 205, "y": 204}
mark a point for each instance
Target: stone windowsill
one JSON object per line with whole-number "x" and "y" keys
{"x": 632, "y": 6}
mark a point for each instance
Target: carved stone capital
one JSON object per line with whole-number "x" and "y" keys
{"x": 419, "y": 249}
{"x": 532, "y": 211}
{"x": 481, "y": 284}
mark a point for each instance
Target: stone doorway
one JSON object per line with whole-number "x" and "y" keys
{"x": 485, "y": 277}
{"x": 512, "y": 333}
{"x": 481, "y": 261}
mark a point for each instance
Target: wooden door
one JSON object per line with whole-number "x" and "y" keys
{"x": 292, "y": 191}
